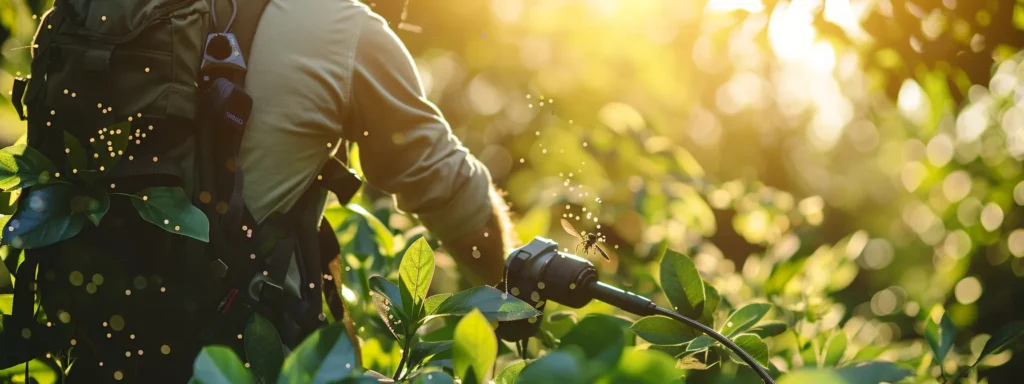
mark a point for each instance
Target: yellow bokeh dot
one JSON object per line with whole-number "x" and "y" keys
{"x": 165, "y": 349}
{"x": 116, "y": 322}
{"x": 76, "y": 278}
{"x": 117, "y": 374}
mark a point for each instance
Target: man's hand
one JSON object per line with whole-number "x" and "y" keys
{"x": 481, "y": 255}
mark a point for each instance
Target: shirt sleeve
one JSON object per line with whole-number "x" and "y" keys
{"x": 406, "y": 147}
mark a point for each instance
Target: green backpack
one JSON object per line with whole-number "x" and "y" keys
{"x": 138, "y": 248}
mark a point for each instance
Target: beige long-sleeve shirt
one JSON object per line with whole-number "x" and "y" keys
{"x": 323, "y": 70}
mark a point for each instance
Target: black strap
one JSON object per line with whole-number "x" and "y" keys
{"x": 329, "y": 250}
{"x": 17, "y": 94}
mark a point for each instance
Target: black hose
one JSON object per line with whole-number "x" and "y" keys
{"x": 643, "y": 306}
{"x": 721, "y": 339}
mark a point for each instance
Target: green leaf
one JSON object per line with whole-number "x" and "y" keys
{"x": 769, "y": 329}
{"x": 645, "y": 367}
{"x": 1001, "y": 338}
{"x": 385, "y": 240}
{"x": 744, "y": 318}
{"x": 711, "y": 301}
{"x": 700, "y": 343}
{"x": 601, "y": 339}
{"x": 44, "y": 217}
{"x": 682, "y": 284}
{"x": 325, "y": 356}
{"x": 169, "y": 208}
{"x": 94, "y": 204}
{"x": 510, "y": 373}
{"x": 388, "y": 289}
{"x": 431, "y": 303}
{"x": 661, "y": 330}
{"x": 110, "y": 145}
{"x": 753, "y": 345}
{"x": 22, "y": 166}
{"x": 474, "y": 348}
{"x": 390, "y": 314}
{"x": 873, "y": 372}
{"x": 415, "y": 273}
{"x": 76, "y": 153}
{"x": 834, "y": 349}
{"x": 940, "y": 336}
{"x": 217, "y": 364}
{"x": 432, "y": 377}
{"x": 492, "y": 303}
{"x": 424, "y": 349}
{"x": 557, "y": 367}
{"x": 263, "y": 349}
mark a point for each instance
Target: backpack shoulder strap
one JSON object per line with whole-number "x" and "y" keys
{"x": 240, "y": 17}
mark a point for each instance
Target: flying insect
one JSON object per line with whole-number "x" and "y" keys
{"x": 588, "y": 241}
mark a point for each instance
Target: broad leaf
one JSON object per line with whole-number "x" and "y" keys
{"x": 753, "y": 345}
{"x": 110, "y": 145}
{"x": 44, "y": 217}
{"x": 169, "y": 208}
{"x": 431, "y": 303}
{"x": 645, "y": 367}
{"x": 834, "y": 349}
{"x": 76, "y": 153}
{"x": 661, "y": 330}
{"x": 388, "y": 289}
{"x": 432, "y": 377}
{"x": 769, "y": 329}
{"x": 94, "y": 204}
{"x": 218, "y": 364}
{"x": 711, "y": 301}
{"x": 390, "y": 314}
{"x": 744, "y": 318}
{"x": 1001, "y": 338}
{"x": 474, "y": 348}
{"x": 682, "y": 284}
{"x": 421, "y": 350}
{"x": 865, "y": 373}
{"x": 387, "y": 300}
{"x": 415, "y": 273}
{"x": 22, "y": 166}
{"x": 601, "y": 339}
{"x": 940, "y": 335}
{"x": 325, "y": 356}
{"x": 492, "y": 303}
{"x": 700, "y": 343}
{"x": 510, "y": 373}
{"x": 557, "y": 367}
{"x": 385, "y": 240}
{"x": 263, "y": 349}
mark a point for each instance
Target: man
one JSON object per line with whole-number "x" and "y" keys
{"x": 323, "y": 71}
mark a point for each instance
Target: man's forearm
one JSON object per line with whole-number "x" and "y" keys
{"x": 481, "y": 255}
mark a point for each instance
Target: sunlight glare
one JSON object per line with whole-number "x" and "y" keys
{"x": 722, "y": 6}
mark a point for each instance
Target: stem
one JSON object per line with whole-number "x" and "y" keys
{"x": 123, "y": 194}
{"x": 401, "y": 363}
